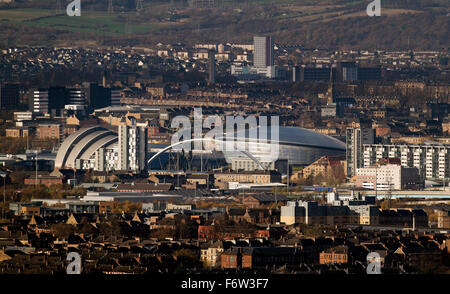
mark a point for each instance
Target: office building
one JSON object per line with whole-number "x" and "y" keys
{"x": 49, "y": 131}
{"x": 98, "y": 97}
{"x": 355, "y": 139}
{"x": 211, "y": 67}
{"x": 40, "y": 101}
{"x": 222, "y": 180}
{"x": 443, "y": 219}
{"x": 263, "y": 64}
{"x": 253, "y": 73}
{"x": 76, "y": 96}
{"x": 116, "y": 95}
{"x": 23, "y": 115}
{"x": 263, "y": 51}
{"x": 203, "y": 3}
{"x": 349, "y": 74}
{"x": 314, "y": 74}
{"x": 387, "y": 177}
{"x": 369, "y": 73}
{"x": 57, "y": 99}
{"x": 9, "y": 96}
{"x": 52, "y": 100}
{"x": 246, "y": 164}
{"x": 347, "y": 71}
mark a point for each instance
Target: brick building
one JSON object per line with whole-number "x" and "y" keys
{"x": 43, "y": 180}
{"x": 49, "y": 131}
{"x": 335, "y": 255}
{"x": 221, "y": 179}
{"x": 443, "y": 219}
{"x": 263, "y": 199}
{"x": 260, "y": 257}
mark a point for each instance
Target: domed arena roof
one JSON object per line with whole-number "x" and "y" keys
{"x": 305, "y": 137}
{"x": 301, "y": 137}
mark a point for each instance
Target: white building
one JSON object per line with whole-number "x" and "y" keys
{"x": 77, "y": 97}
{"x": 132, "y": 147}
{"x": 263, "y": 52}
{"x": 385, "y": 177}
{"x": 40, "y": 101}
{"x": 24, "y": 115}
{"x": 116, "y": 95}
{"x": 240, "y": 163}
{"x": 355, "y": 138}
{"x": 432, "y": 161}
{"x": 267, "y": 72}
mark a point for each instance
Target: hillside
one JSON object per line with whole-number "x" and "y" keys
{"x": 404, "y": 24}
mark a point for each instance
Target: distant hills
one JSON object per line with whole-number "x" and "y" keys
{"x": 404, "y": 24}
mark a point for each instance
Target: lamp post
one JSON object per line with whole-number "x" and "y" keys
{"x": 3, "y": 175}
{"x": 36, "y": 179}
{"x": 287, "y": 188}
{"x": 376, "y": 182}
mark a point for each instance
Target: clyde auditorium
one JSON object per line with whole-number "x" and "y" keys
{"x": 82, "y": 146}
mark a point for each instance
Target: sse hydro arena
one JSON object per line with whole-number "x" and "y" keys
{"x": 292, "y": 146}
{"x": 299, "y": 146}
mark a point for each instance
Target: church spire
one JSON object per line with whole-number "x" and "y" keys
{"x": 330, "y": 93}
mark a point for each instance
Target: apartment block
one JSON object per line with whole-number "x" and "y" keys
{"x": 342, "y": 212}
{"x": 132, "y": 147}
{"x": 431, "y": 161}
{"x": 355, "y": 139}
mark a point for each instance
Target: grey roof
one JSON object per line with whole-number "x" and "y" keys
{"x": 106, "y": 141}
{"x": 303, "y": 137}
{"x": 68, "y": 143}
{"x": 269, "y": 197}
{"x": 82, "y": 143}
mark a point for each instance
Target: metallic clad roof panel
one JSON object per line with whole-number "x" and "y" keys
{"x": 67, "y": 145}
{"x": 108, "y": 140}
{"x": 84, "y": 144}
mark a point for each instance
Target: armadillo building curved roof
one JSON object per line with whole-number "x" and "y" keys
{"x": 82, "y": 143}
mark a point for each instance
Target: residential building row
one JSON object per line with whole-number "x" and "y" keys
{"x": 357, "y": 212}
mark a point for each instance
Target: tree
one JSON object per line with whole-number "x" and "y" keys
{"x": 33, "y": 192}
{"x": 126, "y": 206}
{"x": 385, "y": 204}
{"x": 63, "y": 230}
